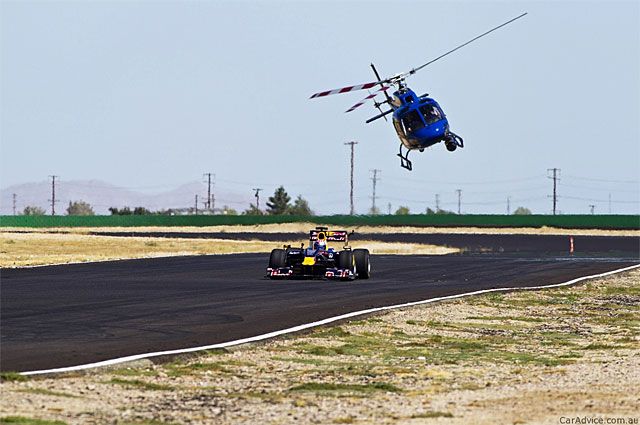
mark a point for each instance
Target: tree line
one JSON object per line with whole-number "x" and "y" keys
{"x": 278, "y": 204}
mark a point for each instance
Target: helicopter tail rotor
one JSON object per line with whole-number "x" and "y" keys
{"x": 375, "y": 71}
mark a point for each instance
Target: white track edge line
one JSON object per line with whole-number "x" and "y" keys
{"x": 313, "y": 324}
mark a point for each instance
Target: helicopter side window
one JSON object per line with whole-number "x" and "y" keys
{"x": 399, "y": 128}
{"x": 412, "y": 121}
{"x": 430, "y": 113}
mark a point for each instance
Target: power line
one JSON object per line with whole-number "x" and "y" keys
{"x": 14, "y": 203}
{"x": 464, "y": 183}
{"x": 437, "y": 202}
{"x": 603, "y": 180}
{"x": 324, "y": 183}
{"x": 113, "y": 186}
{"x": 351, "y": 209}
{"x": 508, "y": 205}
{"x": 501, "y": 202}
{"x": 601, "y": 189}
{"x": 506, "y": 191}
{"x": 459, "y": 199}
{"x": 555, "y": 178}
{"x": 53, "y": 195}
{"x": 196, "y": 208}
{"x": 375, "y": 179}
{"x": 577, "y": 198}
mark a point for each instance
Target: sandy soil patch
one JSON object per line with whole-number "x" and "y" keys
{"x": 29, "y": 249}
{"x": 303, "y": 229}
{"x": 523, "y": 357}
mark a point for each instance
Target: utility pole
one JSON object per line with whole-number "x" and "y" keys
{"x": 508, "y": 205}
{"x": 352, "y": 210}
{"x": 556, "y": 172}
{"x": 208, "y": 202}
{"x": 375, "y": 179}
{"x": 437, "y": 202}
{"x": 196, "y": 204}
{"x": 53, "y": 195}
{"x": 257, "y": 195}
{"x": 14, "y": 203}
{"x": 593, "y": 207}
{"x": 389, "y": 208}
{"x": 459, "y": 199}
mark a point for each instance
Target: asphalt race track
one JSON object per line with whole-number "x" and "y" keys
{"x": 69, "y": 315}
{"x": 468, "y": 242}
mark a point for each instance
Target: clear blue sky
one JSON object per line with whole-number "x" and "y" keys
{"x": 152, "y": 95}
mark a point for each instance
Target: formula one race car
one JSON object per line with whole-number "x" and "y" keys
{"x": 318, "y": 260}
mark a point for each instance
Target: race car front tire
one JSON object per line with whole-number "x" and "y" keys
{"x": 363, "y": 266}
{"x": 278, "y": 258}
{"x": 346, "y": 262}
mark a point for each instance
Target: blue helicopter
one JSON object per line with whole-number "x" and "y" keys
{"x": 419, "y": 121}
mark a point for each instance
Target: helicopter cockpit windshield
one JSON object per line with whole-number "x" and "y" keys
{"x": 412, "y": 121}
{"x": 430, "y": 113}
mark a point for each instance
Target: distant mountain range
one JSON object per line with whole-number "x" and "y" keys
{"x": 102, "y": 195}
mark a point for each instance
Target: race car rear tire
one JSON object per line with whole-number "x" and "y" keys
{"x": 278, "y": 258}
{"x": 345, "y": 261}
{"x": 363, "y": 266}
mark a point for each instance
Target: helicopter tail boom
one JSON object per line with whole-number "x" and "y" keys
{"x": 381, "y": 115}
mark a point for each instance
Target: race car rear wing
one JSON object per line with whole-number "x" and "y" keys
{"x": 329, "y": 235}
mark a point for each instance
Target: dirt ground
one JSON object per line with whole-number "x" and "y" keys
{"x": 528, "y": 357}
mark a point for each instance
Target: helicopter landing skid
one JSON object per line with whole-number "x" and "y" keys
{"x": 404, "y": 159}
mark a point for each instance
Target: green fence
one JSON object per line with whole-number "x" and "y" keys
{"x": 629, "y": 222}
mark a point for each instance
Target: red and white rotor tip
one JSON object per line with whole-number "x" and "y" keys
{"x": 345, "y": 90}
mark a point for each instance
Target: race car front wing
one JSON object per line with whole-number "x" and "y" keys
{"x": 330, "y": 273}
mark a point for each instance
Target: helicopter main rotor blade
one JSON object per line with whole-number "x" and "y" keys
{"x": 414, "y": 70}
{"x": 363, "y": 101}
{"x": 345, "y": 89}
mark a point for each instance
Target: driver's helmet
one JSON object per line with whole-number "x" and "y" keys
{"x": 321, "y": 241}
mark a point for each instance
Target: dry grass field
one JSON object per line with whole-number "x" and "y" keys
{"x": 42, "y": 248}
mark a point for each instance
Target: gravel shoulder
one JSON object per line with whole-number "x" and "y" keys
{"x": 523, "y": 357}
